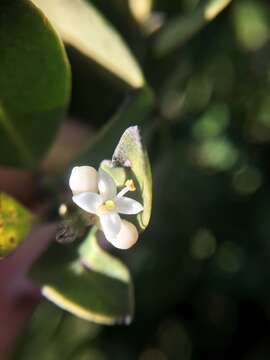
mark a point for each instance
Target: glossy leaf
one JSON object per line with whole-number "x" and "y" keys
{"x": 131, "y": 154}
{"x": 34, "y": 83}
{"x": 84, "y": 28}
{"x": 86, "y": 282}
{"x": 179, "y": 30}
{"x": 15, "y": 224}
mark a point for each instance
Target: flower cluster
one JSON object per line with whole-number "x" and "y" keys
{"x": 96, "y": 193}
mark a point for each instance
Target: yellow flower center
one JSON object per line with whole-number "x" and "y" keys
{"x": 110, "y": 205}
{"x": 105, "y": 207}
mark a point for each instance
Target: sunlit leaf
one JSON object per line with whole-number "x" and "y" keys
{"x": 34, "y": 83}
{"x": 141, "y": 9}
{"x": 15, "y": 224}
{"x": 81, "y": 26}
{"x": 180, "y": 29}
{"x": 86, "y": 282}
{"x": 131, "y": 154}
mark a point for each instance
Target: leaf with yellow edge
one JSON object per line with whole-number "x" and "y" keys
{"x": 15, "y": 224}
{"x": 131, "y": 155}
{"x": 86, "y": 281}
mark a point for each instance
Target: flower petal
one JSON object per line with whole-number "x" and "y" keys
{"x": 127, "y": 237}
{"x": 126, "y": 205}
{"x": 111, "y": 224}
{"x": 88, "y": 201}
{"x": 83, "y": 179}
{"x": 106, "y": 185}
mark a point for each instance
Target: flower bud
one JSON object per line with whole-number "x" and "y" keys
{"x": 83, "y": 179}
{"x": 127, "y": 236}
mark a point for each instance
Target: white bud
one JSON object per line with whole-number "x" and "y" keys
{"x": 127, "y": 236}
{"x": 83, "y": 179}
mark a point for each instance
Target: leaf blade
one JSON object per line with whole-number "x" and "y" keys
{"x": 34, "y": 83}
{"x": 84, "y": 28}
{"x": 15, "y": 224}
{"x": 130, "y": 150}
{"x": 78, "y": 281}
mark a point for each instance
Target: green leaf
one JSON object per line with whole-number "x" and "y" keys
{"x": 131, "y": 154}
{"x": 179, "y": 30}
{"x": 84, "y": 28}
{"x": 87, "y": 282}
{"x": 15, "y": 224}
{"x": 96, "y": 259}
{"x": 34, "y": 83}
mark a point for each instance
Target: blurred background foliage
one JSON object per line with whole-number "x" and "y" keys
{"x": 200, "y": 89}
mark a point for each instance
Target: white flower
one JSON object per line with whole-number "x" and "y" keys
{"x": 107, "y": 205}
{"x": 83, "y": 179}
{"x": 127, "y": 236}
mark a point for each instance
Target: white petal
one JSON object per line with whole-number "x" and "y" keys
{"x": 126, "y": 205}
{"x": 110, "y": 224}
{"x": 106, "y": 185}
{"x": 83, "y": 179}
{"x": 88, "y": 201}
{"x": 127, "y": 236}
